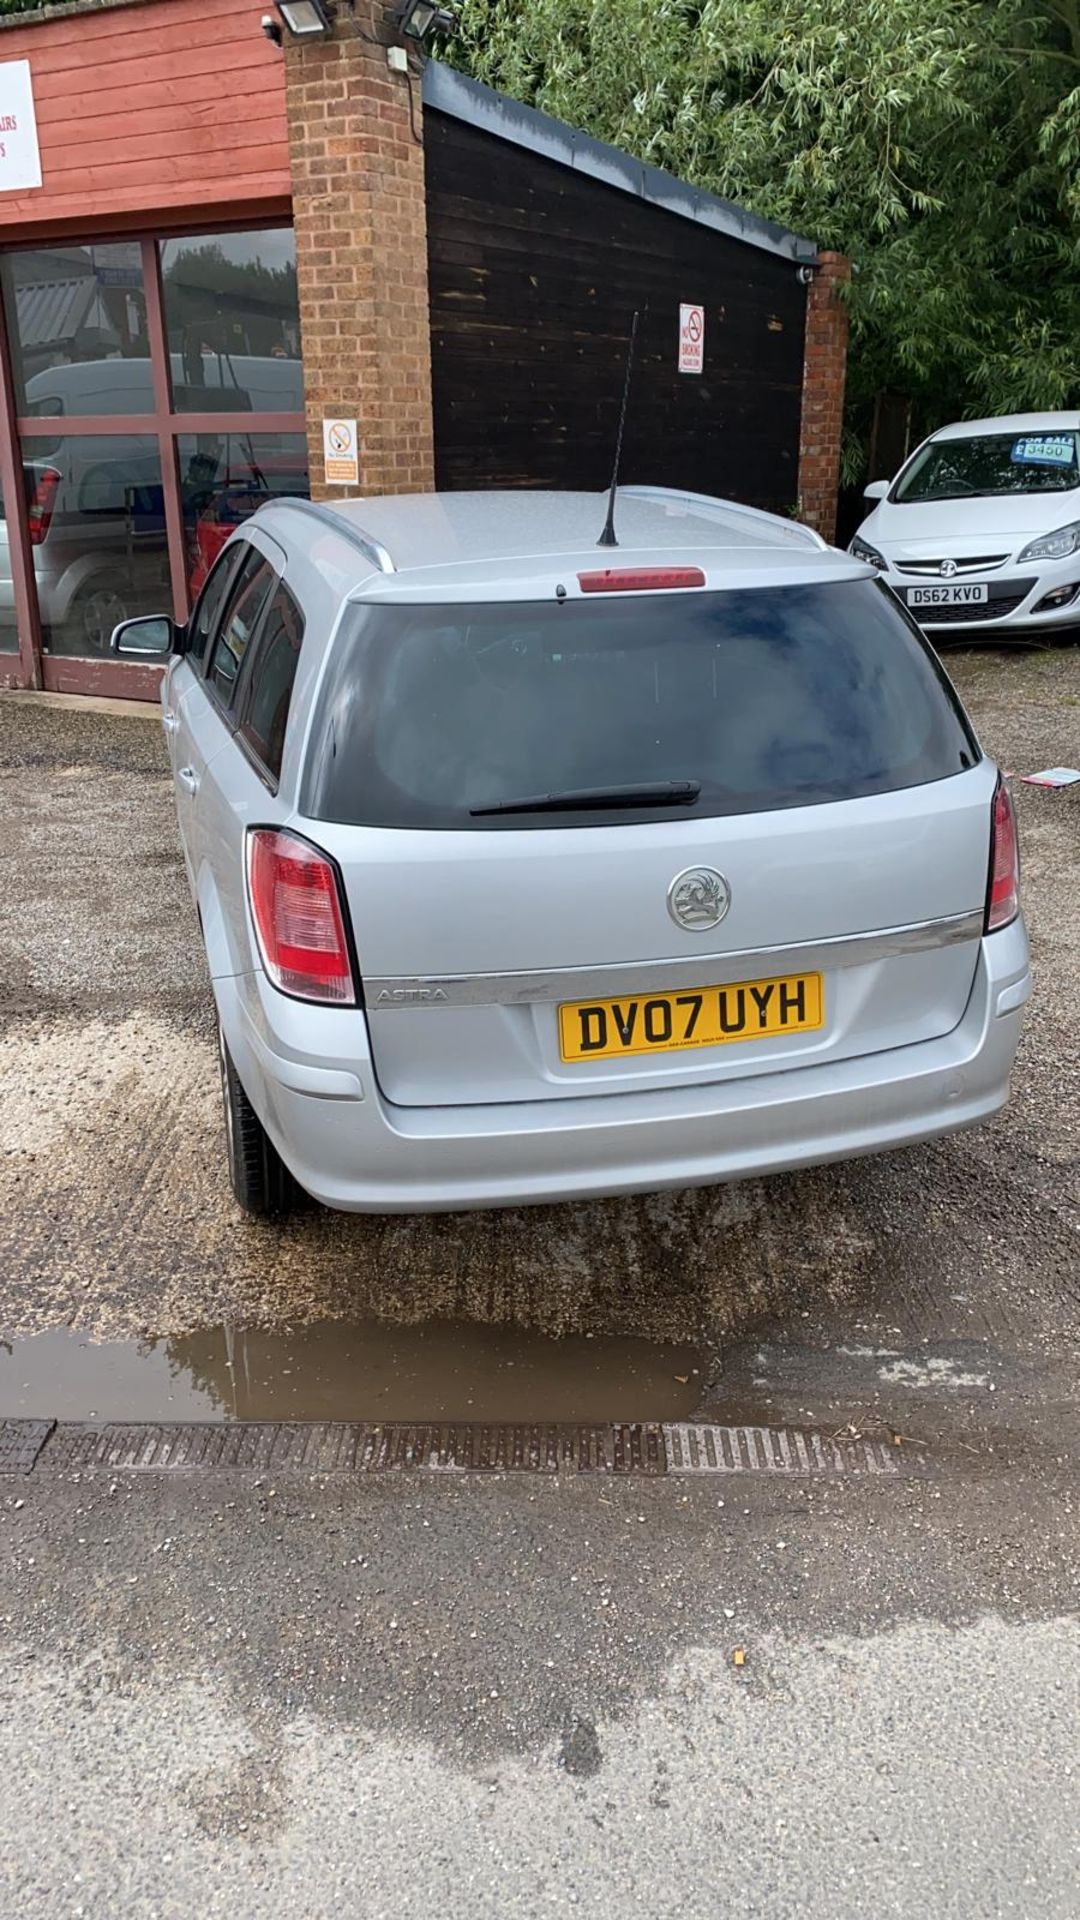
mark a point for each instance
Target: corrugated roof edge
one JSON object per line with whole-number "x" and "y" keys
{"x": 446, "y": 91}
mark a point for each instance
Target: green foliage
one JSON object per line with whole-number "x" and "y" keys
{"x": 936, "y": 141}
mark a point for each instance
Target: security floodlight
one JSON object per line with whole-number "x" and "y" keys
{"x": 416, "y": 19}
{"x": 305, "y": 19}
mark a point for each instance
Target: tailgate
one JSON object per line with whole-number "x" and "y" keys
{"x": 469, "y": 944}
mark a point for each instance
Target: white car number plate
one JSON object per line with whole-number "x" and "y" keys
{"x": 957, "y": 595}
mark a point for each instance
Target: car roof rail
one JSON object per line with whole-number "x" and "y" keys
{"x": 371, "y": 548}
{"x": 707, "y": 501}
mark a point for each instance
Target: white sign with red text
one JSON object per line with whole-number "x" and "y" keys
{"x": 691, "y": 339}
{"x": 20, "y": 160}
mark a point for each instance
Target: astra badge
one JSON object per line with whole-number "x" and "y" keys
{"x": 948, "y": 568}
{"x": 410, "y": 997}
{"x": 698, "y": 899}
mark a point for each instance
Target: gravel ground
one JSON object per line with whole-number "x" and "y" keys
{"x": 112, "y": 1184}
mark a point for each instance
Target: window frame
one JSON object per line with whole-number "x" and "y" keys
{"x": 22, "y": 434}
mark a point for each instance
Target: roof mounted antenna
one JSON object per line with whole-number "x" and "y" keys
{"x": 607, "y": 538}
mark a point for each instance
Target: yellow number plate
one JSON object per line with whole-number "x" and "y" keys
{"x": 703, "y": 1017}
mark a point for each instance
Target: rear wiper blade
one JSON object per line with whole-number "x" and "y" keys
{"x": 658, "y": 793}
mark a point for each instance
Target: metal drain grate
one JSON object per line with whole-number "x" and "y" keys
{"x": 784, "y": 1450}
{"x": 20, "y": 1443}
{"x": 357, "y": 1447}
{"x": 346, "y": 1447}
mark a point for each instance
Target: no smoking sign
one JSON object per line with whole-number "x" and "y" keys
{"x": 691, "y": 339}
{"x": 341, "y": 458}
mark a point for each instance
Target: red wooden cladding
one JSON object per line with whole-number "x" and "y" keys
{"x": 157, "y": 108}
{"x": 61, "y": 100}
{"x": 122, "y": 679}
{"x": 170, "y": 146}
{"x": 154, "y": 130}
{"x": 94, "y": 23}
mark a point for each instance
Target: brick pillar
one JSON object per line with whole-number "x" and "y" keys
{"x": 361, "y": 251}
{"x": 824, "y": 369}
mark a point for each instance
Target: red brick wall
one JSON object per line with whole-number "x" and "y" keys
{"x": 361, "y": 244}
{"x": 824, "y": 371}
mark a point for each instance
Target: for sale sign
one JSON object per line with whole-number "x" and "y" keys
{"x": 20, "y": 160}
{"x": 691, "y": 339}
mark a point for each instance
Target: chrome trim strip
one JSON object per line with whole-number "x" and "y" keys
{"x": 384, "y": 993}
{"x": 931, "y": 569}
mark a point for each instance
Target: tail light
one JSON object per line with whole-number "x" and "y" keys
{"x": 42, "y": 501}
{"x": 296, "y": 907}
{"x": 1003, "y": 898}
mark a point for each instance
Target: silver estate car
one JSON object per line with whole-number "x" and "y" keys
{"x": 530, "y": 869}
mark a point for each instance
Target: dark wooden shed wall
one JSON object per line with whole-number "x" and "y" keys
{"x": 534, "y": 274}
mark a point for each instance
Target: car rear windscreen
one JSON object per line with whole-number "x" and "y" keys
{"x": 762, "y": 699}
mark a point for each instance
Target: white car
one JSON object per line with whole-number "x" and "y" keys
{"x": 979, "y": 534}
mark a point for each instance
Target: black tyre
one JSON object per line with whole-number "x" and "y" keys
{"x": 88, "y": 628}
{"x": 259, "y": 1177}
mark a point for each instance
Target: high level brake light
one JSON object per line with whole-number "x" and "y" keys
{"x": 296, "y": 907}
{"x": 639, "y": 579}
{"x": 1003, "y": 895}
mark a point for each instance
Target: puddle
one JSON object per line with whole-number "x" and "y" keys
{"x": 350, "y": 1370}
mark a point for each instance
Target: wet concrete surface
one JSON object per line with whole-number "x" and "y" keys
{"x": 342, "y": 1370}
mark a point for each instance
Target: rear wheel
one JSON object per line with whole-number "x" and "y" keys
{"x": 88, "y": 628}
{"x": 259, "y": 1177}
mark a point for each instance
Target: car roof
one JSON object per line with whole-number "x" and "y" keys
{"x": 522, "y": 542}
{"x": 1010, "y": 423}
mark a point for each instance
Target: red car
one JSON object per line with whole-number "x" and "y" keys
{"x": 233, "y": 504}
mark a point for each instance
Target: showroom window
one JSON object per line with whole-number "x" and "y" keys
{"x": 156, "y": 398}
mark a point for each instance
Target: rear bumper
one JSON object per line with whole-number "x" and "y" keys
{"x": 351, "y": 1149}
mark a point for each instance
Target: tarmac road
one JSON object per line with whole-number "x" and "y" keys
{"x": 398, "y": 1698}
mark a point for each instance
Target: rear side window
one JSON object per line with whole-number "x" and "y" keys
{"x": 241, "y": 617}
{"x": 775, "y": 698}
{"x": 264, "y": 708}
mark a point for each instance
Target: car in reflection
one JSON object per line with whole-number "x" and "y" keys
{"x": 97, "y": 536}
{"x": 216, "y": 383}
{"x": 96, "y": 502}
{"x": 979, "y": 534}
{"x": 223, "y": 504}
